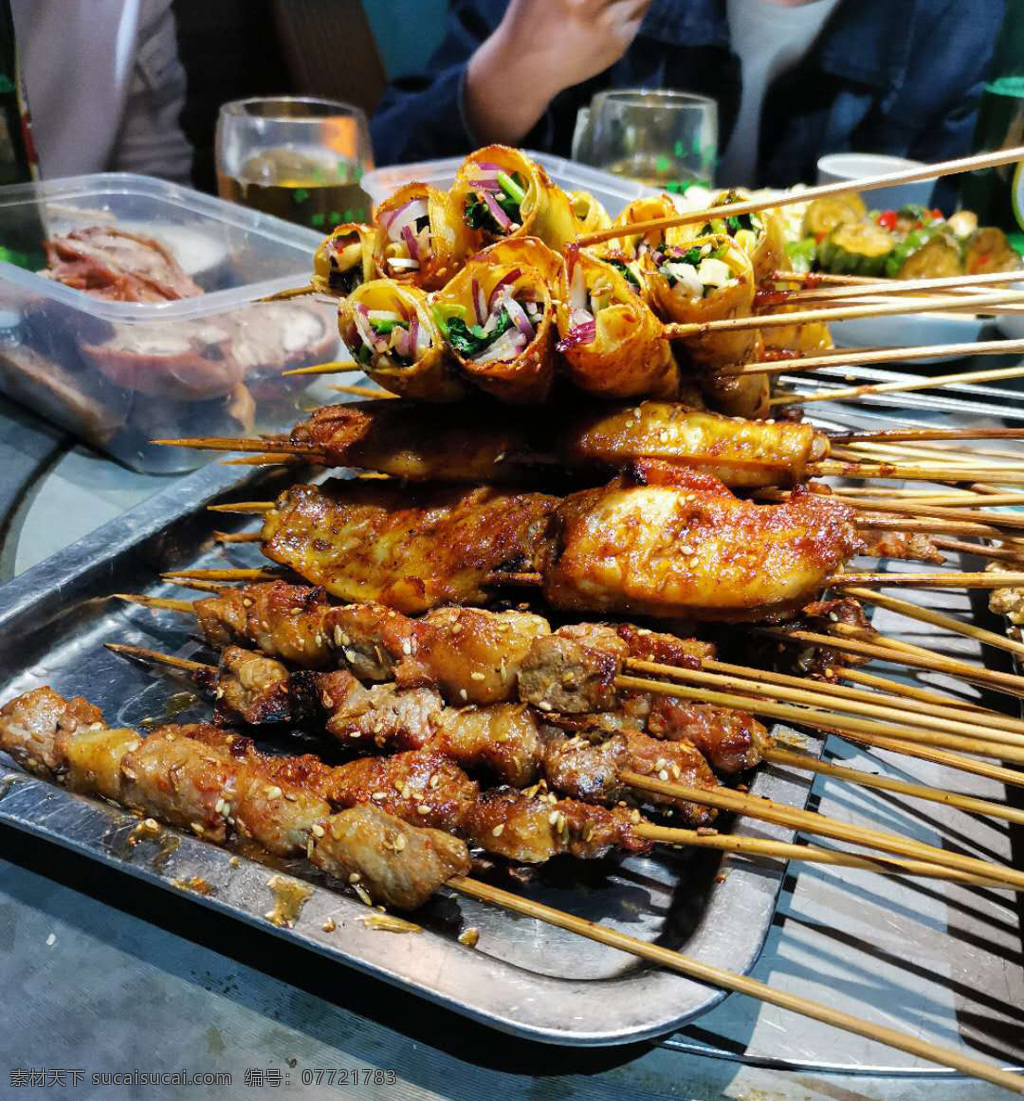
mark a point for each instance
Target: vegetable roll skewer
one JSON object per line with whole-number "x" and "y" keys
{"x": 422, "y": 239}
{"x": 391, "y": 330}
{"x": 344, "y": 260}
{"x": 499, "y": 322}
{"x": 500, "y": 192}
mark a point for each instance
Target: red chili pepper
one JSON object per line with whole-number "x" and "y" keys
{"x": 887, "y": 220}
{"x": 937, "y": 214}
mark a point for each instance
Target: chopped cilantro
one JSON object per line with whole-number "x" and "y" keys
{"x": 470, "y": 340}
{"x": 627, "y": 271}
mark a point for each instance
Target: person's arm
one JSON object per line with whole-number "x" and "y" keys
{"x": 496, "y": 71}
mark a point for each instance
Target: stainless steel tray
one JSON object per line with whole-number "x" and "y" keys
{"x": 523, "y": 977}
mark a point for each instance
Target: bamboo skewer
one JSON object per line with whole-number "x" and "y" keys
{"x": 364, "y": 392}
{"x": 913, "y": 472}
{"x": 899, "y": 387}
{"x": 896, "y": 354}
{"x": 876, "y": 709}
{"x": 966, "y": 286}
{"x": 809, "y": 854}
{"x": 338, "y": 367}
{"x": 969, "y": 803}
{"x": 812, "y": 822}
{"x": 938, "y": 619}
{"x": 156, "y": 602}
{"x": 881, "y": 435}
{"x": 859, "y": 729}
{"x": 1005, "y": 682}
{"x": 998, "y": 554}
{"x": 950, "y": 580}
{"x": 740, "y": 984}
{"x": 765, "y": 682}
{"x": 940, "y": 512}
{"x": 837, "y": 313}
{"x": 291, "y": 292}
{"x": 1010, "y": 776}
{"x": 842, "y": 187}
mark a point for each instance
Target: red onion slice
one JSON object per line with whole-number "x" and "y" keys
{"x": 518, "y": 315}
{"x": 411, "y": 243}
{"x": 499, "y": 215}
{"x": 406, "y": 215}
{"x": 505, "y": 281}
{"x": 361, "y": 317}
{"x": 578, "y": 289}
{"x": 479, "y": 302}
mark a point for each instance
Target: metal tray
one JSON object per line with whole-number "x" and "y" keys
{"x": 524, "y": 977}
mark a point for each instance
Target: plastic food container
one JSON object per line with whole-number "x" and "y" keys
{"x": 118, "y": 373}
{"x": 613, "y": 192}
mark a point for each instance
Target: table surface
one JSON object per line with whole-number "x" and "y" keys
{"x": 108, "y": 975}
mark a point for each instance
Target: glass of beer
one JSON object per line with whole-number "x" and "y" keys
{"x": 663, "y": 138}
{"x": 296, "y": 157}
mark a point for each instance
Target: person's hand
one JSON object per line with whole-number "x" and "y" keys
{"x": 540, "y": 48}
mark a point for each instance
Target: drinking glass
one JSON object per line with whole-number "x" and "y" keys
{"x": 663, "y": 138}
{"x": 297, "y": 157}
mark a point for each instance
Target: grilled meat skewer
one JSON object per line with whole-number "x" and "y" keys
{"x": 216, "y": 783}
{"x": 473, "y": 656}
{"x": 201, "y": 778}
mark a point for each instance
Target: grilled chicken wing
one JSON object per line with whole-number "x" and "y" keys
{"x": 683, "y": 545}
{"x": 410, "y": 551}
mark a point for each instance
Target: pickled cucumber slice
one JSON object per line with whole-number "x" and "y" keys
{"x": 856, "y": 248}
{"x": 823, "y": 215}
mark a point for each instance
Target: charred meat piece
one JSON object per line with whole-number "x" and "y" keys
{"x": 181, "y": 781}
{"x": 501, "y": 740}
{"x": 472, "y": 656}
{"x": 910, "y": 546}
{"x": 423, "y": 787}
{"x": 252, "y": 689}
{"x": 30, "y": 725}
{"x": 278, "y": 802}
{"x": 371, "y": 639}
{"x": 280, "y": 620}
{"x": 394, "y": 863}
{"x": 384, "y": 716}
{"x": 663, "y": 648}
{"x": 573, "y": 670}
{"x": 532, "y": 829}
{"x": 683, "y": 545}
{"x": 730, "y": 740}
{"x": 678, "y": 762}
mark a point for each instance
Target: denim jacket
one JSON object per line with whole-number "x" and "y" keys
{"x": 885, "y": 76}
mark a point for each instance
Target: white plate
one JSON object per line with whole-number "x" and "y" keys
{"x": 908, "y": 329}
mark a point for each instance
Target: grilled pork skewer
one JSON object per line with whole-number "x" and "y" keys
{"x": 201, "y": 778}
{"x": 473, "y": 656}
{"x": 502, "y": 445}
{"x": 657, "y": 541}
{"x": 214, "y": 782}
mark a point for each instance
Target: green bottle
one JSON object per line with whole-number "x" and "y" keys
{"x": 997, "y": 194}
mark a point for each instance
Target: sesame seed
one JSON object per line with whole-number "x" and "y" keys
{"x": 399, "y": 843}
{"x": 498, "y": 829}
{"x": 379, "y": 795}
{"x": 354, "y": 878}
{"x": 407, "y": 646}
{"x": 470, "y": 937}
{"x": 318, "y": 830}
{"x": 545, "y": 706}
{"x": 328, "y": 926}
{"x": 406, "y": 791}
{"x": 663, "y": 775}
{"x": 196, "y": 828}
{"x": 463, "y": 694}
{"x": 553, "y": 818}
{"x": 309, "y": 849}
{"x": 477, "y": 676}
{"x": 423, "y": 809}
{"x": 272, "y": 792}
{"x": 246, "y": 602}
{"x": 364, "y": 897}
{"x": 634, "y": 817}
{"x": 235, "y": 861}
{"x": 435, "y": 780}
